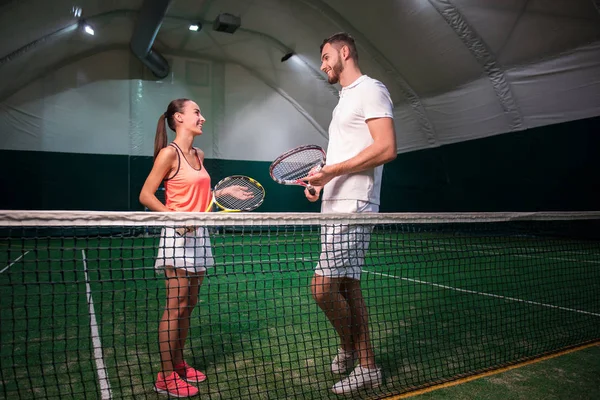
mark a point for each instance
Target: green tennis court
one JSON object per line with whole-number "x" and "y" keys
{"x": 80, "y": 313}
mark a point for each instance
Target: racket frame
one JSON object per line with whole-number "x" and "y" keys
{"x": 215, "y": 202}
{"x": 287, "y": 154}
{"x": 183, "y": 230}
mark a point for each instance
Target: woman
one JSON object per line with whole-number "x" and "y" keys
{"x": 183, "y": 253}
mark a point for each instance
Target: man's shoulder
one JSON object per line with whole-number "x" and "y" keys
{"x": 369, "y": 83}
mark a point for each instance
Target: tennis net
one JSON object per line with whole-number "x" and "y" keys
{"x": 448, "y": 295}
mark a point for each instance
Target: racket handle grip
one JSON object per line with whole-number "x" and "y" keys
{"x": 311, "y": 189}
{"x": 183, "y": 230}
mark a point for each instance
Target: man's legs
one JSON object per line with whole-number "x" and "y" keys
{"x": 342, "y": 302}
{"x": 351, "y": 291}
{"x": 326, "y": 292}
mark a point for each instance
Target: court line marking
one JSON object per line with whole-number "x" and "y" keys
{"x": 105, "y": 389}
{"x": 486, "y": 374}
{"x": 518, "y": 255}
{"x": 488, "y": 252}
{"x": 497, "y": 296}
{"x": 508, "y": 298}
{"x": 410, "y": 244}
{"x": 12, "y": 263}
{"x": 377, "y": 253}
{"x": 426, "y": 247}
{"x": 396, "y": 253}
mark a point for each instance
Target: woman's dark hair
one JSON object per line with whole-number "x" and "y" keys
{"x": 160, "y": 140}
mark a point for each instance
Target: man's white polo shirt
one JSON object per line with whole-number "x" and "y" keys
{"x": 363, "y": 99}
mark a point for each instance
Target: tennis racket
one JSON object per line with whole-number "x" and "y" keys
{"x": 294, "y": 165}
{"x": 237, "y": 193}
{"x": 233, "y": 194}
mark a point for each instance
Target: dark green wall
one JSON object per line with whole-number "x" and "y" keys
{"x": 63, "y": 181}
{"x": 278, "y": 198}
{"x": 551, "y": 168}
{"x": 67, "y": 181}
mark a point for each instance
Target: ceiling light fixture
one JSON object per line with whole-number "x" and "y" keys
{"x": 195, "y": 27}
{"x": 287, "y": 56}
{"x": 87, "y": 28}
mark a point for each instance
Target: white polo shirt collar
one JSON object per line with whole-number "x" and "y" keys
{"x": 353, "y": 84}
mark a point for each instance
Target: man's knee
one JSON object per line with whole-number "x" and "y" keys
{"x": 317, "y": 290}
{"x": 323, "y": 289}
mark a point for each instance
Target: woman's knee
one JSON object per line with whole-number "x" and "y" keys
{"x": 192, "y": 302}
{"x": 177, "y": 308}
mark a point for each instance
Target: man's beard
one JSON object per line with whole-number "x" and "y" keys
{"x": 336, "y": 70}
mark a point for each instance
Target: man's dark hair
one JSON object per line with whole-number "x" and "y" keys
{"x": 344, "y": 39}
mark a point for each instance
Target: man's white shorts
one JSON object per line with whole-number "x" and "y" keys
{"x": 343, "y": 246}
{"x": 191, "y": 252}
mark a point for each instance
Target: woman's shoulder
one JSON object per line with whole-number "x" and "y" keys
{"x": 200, "y": 153}
{"x": 168, "y": 153}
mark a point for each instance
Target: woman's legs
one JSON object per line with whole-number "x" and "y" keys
{"x": 182, "y": 296}
{"x": 184, "y": 323}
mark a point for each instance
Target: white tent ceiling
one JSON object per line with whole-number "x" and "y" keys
{"x": 456, "y": 69}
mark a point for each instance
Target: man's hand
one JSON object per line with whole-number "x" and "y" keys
{"x": 313, "y": 197}
{"x": 321, "y": 177}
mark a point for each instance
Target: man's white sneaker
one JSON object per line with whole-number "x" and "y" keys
{"x": 343, "y": 362}
{"x": 359, "y": 378}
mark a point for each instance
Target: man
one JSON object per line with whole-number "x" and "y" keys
{"x": 361, "y": 139}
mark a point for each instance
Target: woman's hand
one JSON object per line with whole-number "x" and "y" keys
{"x": 237, "y": 191}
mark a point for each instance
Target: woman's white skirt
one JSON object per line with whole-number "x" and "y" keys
{"x": 191, "y": 251}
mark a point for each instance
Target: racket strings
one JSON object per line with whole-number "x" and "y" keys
{"x": 298, "y": 165}
{"x": 234, "y": 203}
{"x": 293, "y": 171}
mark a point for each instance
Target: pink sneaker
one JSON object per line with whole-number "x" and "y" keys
{"x": 188, "y": 373}
{"x": 174, "y": 386}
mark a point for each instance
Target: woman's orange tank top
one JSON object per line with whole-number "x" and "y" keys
{"x": 189, "y": 189}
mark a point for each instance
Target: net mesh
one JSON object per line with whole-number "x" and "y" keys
{"x": 448, "y": 295}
